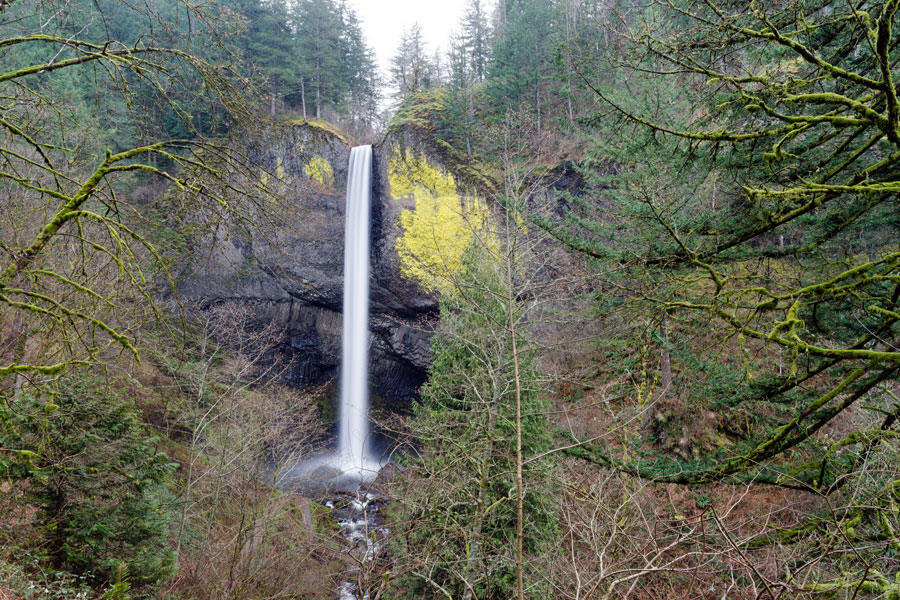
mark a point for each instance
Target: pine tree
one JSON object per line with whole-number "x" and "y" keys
{"x": 482, "y": 468}
{"x": 411, "y": 69}
{"x": 458, "y": 501}
{"x": 476, "y": 40}
{"x": 360, "y": 70}
{"x": 266, "y": 45}
{"x": 100, "y": 487}
{"x": 458, "y": 126}
{"x": 521, "y": 56}
{"x": 320, "y": 45}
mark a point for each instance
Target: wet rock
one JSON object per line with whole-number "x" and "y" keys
{"x": 293, "y": 276}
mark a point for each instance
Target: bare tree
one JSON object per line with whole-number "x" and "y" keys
{"x": 243, "y": 433}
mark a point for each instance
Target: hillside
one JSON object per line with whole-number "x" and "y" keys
{"x": 632, "y": 302}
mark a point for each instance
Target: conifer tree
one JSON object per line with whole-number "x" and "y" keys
{"x": 520, "y": 60}
{"x": 476, "y": 514}
{"x": 320, "y": 50}
{"x": 360, "y": 70}
{"x": 807, "y": 172}
{"x": 266, "y": 45}
{"x": 458, "y": 501}
{"x": 475, "y": 39}
{"x": 411, "y": 71}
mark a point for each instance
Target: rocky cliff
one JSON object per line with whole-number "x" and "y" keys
{"x": 294, "y": 275}
{"x": 429, "y": 200}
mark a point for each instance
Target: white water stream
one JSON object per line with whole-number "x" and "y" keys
{"x": 353, "y": 426}
{"x": 364, "y": 537}
{"x": 344, "y": 472}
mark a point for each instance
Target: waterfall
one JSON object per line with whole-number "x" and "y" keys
{"x": 353, "y": 462}
{"x": 353, "y": 427}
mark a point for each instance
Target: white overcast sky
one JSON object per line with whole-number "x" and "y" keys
{"x": 383, "y": 22}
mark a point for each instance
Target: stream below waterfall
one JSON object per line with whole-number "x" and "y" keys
{"x": 357, "y": 508}
{"x": 362, "y": 526}
{"x": 354, "y": 465}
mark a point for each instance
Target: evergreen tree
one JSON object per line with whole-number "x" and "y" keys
{"x": 457, "y": 501}
{"x": 361, "y": 72}
{"x": 412, "y": 71}
{"x": 266, "y": 45}
{"x": 482, "y": 469}
{"x": 475, "y": 40}
{"x": 89, "y": 466}
{"x": 321, "y": 49}
{"x": 457, "y": 127}
{"x": 521, "y": 57}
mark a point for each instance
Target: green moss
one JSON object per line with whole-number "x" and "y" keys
{"x": 319, "y": 170}
{"x": 419, "y": 110}
{"x": 470, "y": 171}
{"x": 437, "y": 231}
{"x": 326, "y": 127}
{"x": 417, "y": 121}
{"x": 327, "y": 403}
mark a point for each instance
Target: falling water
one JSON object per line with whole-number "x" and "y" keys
{"x": 353, "y": 428}
{"x": 353, "y": 464}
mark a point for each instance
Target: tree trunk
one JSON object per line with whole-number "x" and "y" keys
{"x": 306, "y": 518}
{"x": 650, "y": 408}
{"x": 303, "y": 96}
{"x": 520, "y": 486}
{"x": 665, "y": 360}
{"x": 469, "y": 123}
{"x": 318, "y": 90}
{"x": 474, "y": 554}
{"x": 570, "y": 27}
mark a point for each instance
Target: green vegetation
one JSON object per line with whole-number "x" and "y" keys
{"x": 664, "y": 241}
{"x": 784, "y": 274}
{"x": 320, "y": 171}
{"x": 482, "y": 430}
{"x": 101, "y": 487}
{"x": 736, "y": 206}
{"x": 437, "y": 231}
{"x": 94, "y": 504}
{"x": 312, "y": 58}
{"x": 327, "y": 128}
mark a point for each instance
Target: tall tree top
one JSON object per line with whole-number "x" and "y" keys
{"x": 475, "y": 39}
{"x": 411, "y": 70}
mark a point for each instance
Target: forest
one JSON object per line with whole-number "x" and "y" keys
{"x": 635, "y": 301}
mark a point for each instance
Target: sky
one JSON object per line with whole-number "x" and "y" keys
{"x": 383, "y": 22}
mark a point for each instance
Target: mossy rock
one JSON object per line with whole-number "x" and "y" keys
{"x": 328, "y": 128}
{"x": 415, "y": 125}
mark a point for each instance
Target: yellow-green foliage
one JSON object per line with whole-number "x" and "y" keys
{"x": 434, "y": 234}
{"x": 319, "y": 170}
{"x": 326, "y": 127}
{"x": 420, "y": 110}
{"x": 279, "y": 172}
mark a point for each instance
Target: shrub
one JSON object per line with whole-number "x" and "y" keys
{"x": 87, "y": 463}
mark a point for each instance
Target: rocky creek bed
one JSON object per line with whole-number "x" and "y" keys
{"x": 360, "y": 518}
{"x": 357, "y": 508}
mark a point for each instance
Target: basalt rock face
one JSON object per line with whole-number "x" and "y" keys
{"x": 293, "y": 275}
